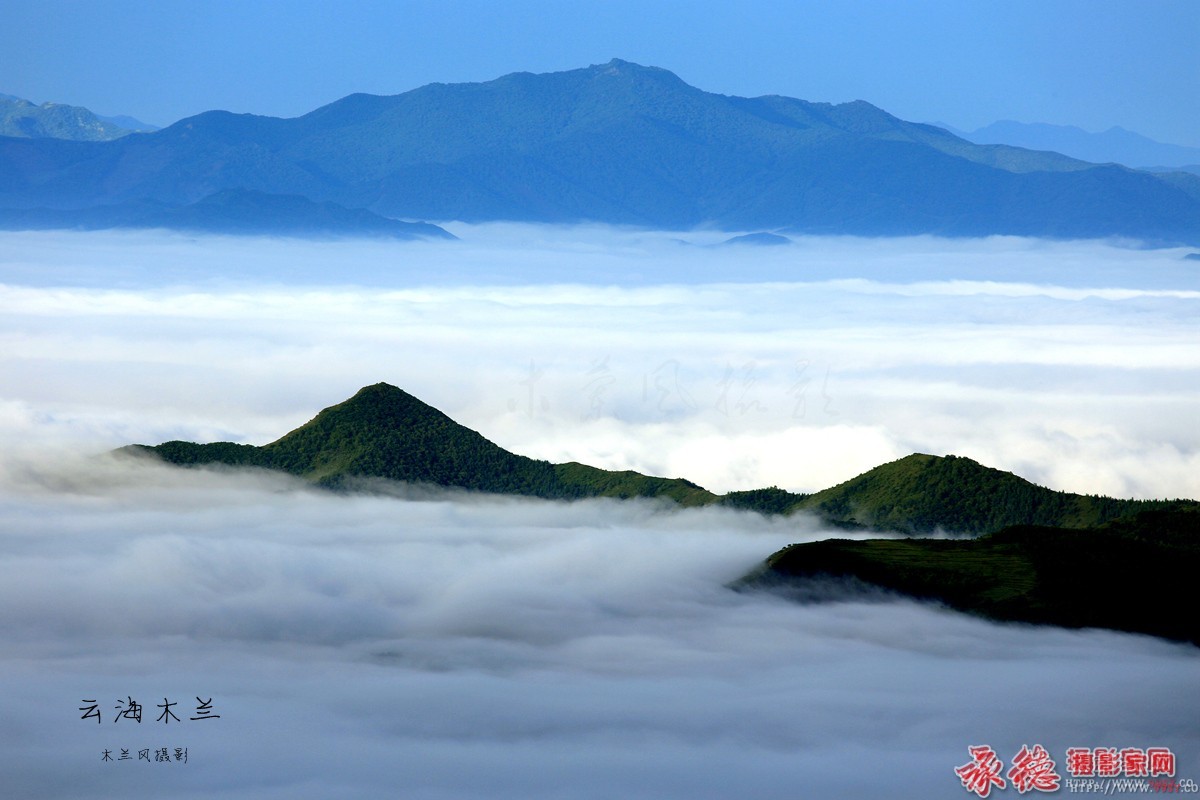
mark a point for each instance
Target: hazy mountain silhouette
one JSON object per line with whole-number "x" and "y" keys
{"x": 1115, "y": 145}
{"x": 616, "y": 143}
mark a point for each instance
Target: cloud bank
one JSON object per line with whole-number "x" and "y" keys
{"x": 490, "y": 648}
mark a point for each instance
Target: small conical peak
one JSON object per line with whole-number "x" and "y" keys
{"x": 379, "y": 406}
{"x": 381, "y": 394}
{"x": 932, "y": 460}
{"x": 378, "y": 389}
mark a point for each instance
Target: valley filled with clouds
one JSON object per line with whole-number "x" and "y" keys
{"x": 438, "y": 644}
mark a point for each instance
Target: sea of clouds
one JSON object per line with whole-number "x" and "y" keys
{"x": 443, "y": 645}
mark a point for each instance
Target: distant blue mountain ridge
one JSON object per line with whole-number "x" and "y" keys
{"x": 615, "y": 143}
{"x": 130, "y": 123}
{"x": 1115, "y": 145}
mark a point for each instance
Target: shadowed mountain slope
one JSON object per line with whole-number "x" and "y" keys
{"x": 231, "y": 211}
{"x": 1134, "y": 574}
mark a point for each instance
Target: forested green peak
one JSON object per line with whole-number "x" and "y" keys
{"x": 922, "y": 493}
{"x": 379, "y": 406}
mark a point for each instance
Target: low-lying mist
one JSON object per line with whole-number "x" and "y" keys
{"x": 463, "y": 645}
{"x": 417, "y": 643}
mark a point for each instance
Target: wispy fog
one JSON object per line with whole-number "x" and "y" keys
{"x": 417, "y": 644}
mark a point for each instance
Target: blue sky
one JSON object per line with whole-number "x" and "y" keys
{"x": 1092, "y": 63}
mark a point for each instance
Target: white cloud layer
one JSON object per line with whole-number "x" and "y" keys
{"x": 454, "y": 647}
{"x": 446, "y": 646}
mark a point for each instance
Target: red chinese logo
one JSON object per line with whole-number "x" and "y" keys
{"x": 982, "y": 772}
{"x": 1033, "y": 769}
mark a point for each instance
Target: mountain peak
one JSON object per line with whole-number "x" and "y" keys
{"x": 619, "y": 68}
{"x": 378, "y": 407}
{"x": 385, "y": 398}
{"x": 922, "y": 493}
{"x": 385, "y": 432}
{"x": 380, "y": 389}
{"x": 613, "y": 66}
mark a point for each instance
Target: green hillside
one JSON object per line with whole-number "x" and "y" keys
{"x": 387, "y": 433}
{"x": 1133, "y": 574}
{"x": 923, "y": 493}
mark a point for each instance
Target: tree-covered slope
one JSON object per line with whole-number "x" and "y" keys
{"x": 769, "y": 501}
{"x": 580, "y": 480}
